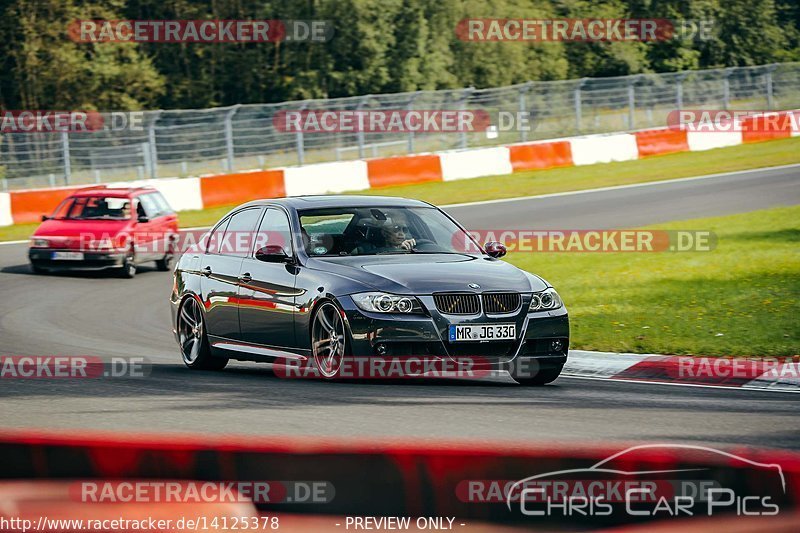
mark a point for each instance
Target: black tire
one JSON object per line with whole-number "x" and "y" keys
{"x": 165, "y": 262}
{"x": 195, "y": 350}
{"x": 542, "y": 377}
{"x": 128, "y": 269}
{"x": 328, "y": 361}
{"x": 36, "y": 269}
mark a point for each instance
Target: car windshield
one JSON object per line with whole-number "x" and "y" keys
{"x": 382, "y": 230}
{"x": 94, "y": 208}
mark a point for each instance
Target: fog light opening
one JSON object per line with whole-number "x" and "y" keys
{"x": 556, "y": 345}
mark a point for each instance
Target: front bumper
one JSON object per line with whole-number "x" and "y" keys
{"x": 92, "y": 260}
{"x": 425, "y": 335}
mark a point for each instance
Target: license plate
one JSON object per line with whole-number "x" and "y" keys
{"x": 482, "y": 332}
{"x": 68, "y": 256}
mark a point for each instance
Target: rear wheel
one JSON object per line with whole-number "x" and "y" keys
{"x": 542, "y": 377}
{"x": 195, "y": 350}
{"x": 164, "y": 263}
{"x": 328, "y": 340}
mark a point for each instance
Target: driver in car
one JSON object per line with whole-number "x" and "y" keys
{"x": 395, "y": 233}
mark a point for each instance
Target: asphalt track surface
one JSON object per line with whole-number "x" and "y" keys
{"x": 97, "y": 314}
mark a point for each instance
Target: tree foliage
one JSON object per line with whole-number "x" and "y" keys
{"x": 379, "y": 46}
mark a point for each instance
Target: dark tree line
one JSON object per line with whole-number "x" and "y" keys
{"x": 379, "y": 46}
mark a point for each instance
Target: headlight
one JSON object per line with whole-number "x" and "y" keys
{"x": 546, "y": 300}
{"x": 381, "y": 302}
{"x": 40, "y": 243}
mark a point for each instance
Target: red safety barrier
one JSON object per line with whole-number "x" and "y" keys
{"x": 380, "y": 477}
{"x": 766, "y": 127}
{"x": 661, "y": 141}
{"x": 540, "y": 155}
{"x": 29, "y": 205}
{"x": 241, "y": 187}
{"x": 403, "y": 170}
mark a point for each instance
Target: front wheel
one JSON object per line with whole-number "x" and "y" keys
{"x": 328, "y": 340}
{"x": 542, "y": 377}
{"x": 128, "y": 269}
{"x": 195, "y": 350}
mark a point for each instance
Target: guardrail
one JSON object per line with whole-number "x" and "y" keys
{"x": 179, "y": 143}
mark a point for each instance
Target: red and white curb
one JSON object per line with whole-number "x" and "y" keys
{"x": 780, "y": 374}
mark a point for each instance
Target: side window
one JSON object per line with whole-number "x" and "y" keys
{"x": 239, "y": 235}
{"x": 163, "y": 206}
{"x": 147, "y": 207}
{"x": 274, "y": 229}
{"x": 215, "y": 238}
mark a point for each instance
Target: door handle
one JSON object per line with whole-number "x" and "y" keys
{"x": 207, "y": 271}
{"x": 246, "y": 277}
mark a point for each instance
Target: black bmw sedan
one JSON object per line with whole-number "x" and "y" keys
{"x": 322, "y": 280}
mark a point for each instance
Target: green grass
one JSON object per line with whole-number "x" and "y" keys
{"x": 680, "y": 165}
{"x": 744, "y": 157}
{"x": 747, "y": 290}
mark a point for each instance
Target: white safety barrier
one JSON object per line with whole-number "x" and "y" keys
{"x": 604, "y": 149}
{"x": 5, "y": 209}
{"x": 475, "y": 163}
{"x": 699, "y": 141}
{"x": 183, "y": 194}
{"x": 324, "y": 178}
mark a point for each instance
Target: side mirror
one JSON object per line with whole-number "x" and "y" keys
{"x": 272, "y": 253}
{"x": 495, "y": 249}
{"x": 143, "y": 218}
{"x": 45, "y": 217}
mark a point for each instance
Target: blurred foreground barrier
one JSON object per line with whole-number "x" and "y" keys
{"x": 466, "y": 481}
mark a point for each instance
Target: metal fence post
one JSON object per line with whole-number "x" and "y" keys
{"x": 523, "y": 108}
{"x": 768, "y": 75}
{"x": 579, "y": 104}
{"x": 632, "y": 101}
{"x": 726, "y": 88}
{"x": 65, "y": 155}
{"x": 151, "y": 139}
{"x": 679, "y": 89}
{"x": 464, "y": 142}
{"x": 409, "y": 107}
{"x": 299, "y": 140}
{"x": 360, "y": 131}
{"x": 229, "y": 137}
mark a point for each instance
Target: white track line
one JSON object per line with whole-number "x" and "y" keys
{"x": 620, "y": 187}
{"x": 566, "y": 193}
{"x": 654, "y": 382}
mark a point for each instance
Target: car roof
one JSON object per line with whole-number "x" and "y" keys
{"x": 116, "y": 192}
{"x": 340, "y": 200}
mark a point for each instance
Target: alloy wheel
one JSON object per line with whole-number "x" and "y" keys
{"x": 328, "y": 340}
{"x": 190, "y": 330}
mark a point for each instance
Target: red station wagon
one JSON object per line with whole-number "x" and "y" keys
{"x": 99, "y": 227}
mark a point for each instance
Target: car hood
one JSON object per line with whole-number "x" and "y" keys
{"x": 78, "y": 228}
{"x": 429, "y": 273}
